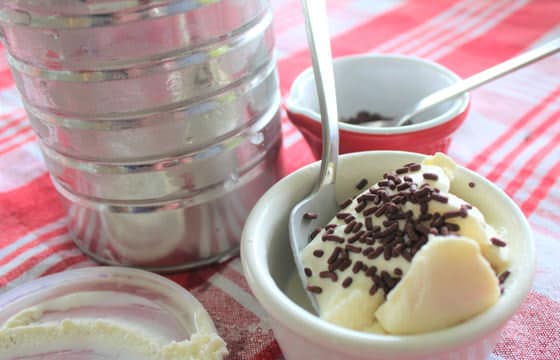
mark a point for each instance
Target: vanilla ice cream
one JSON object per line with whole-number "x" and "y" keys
{"x": 72, "y": 326}
{"x": 406, "y": 255}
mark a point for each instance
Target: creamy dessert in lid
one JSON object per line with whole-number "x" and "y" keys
{"x": 116, "y": 313}
{"x": 406, "y": 255}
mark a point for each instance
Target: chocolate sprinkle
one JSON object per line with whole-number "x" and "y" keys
{"x": 314, "y": 289}
{"x": 307, "y": 272}
{"x": 440, "y": 198}
{"x": 430, "y": 176}
{"x": 349, "y": 219}
{"x": 503, "y": 276}
{"x": 335, "y": 238}
{"x": 356, "y": 237}
{"x": 345, "y": 204}
{"x": 357, "y": 227}
{"x": 387, "y": 253}
{"x": 376, "y": 253}
{"x": 314, "y": 233}
{"x": 371, "y": 271}
{"x": 452, "y": 214}
{"x": 370, "y": 210}
{"x": 347, "y": 282}
{"x": 415, "y": 167}
{"x": 361, "y": 206}
{"x": 357, "y": 266}
{"x": 330, "y": 226}
{"x": 345, "y": 264}
{"x": 318, "y": 253}
{"x": 349, "y": 227}
{"x": 310, "y": 216}
{"x": 342, "y": 215}
{"x": 328, "y": 274}
{"x": 334, "y": 255}
{"x": 497, "y": 242}
{"x": 367, "y": 251}
{"x": 472, "y": 184}
{"x": 362, "y": 184}
{"x": 352, "y": 248}
{"x": 369, "y": 223}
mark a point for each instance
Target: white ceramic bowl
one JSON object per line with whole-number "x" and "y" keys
{"x": 388, "y": 85}
{"x": 270, "y": 271}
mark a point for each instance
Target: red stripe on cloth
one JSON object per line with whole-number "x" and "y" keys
{"x": 442, "y": 33}
{"x": 9, "y": 123}
{"x": 40, "y": 239}
{"x": 12, "y": 114}
{"x": 18, "y": 132}
{"x": 548, "y": 215}
{"x": 544, "y": 230}
{"x": 542, "y": 189}
{"x": 535, "y": 134}
{"x": 31, "y": 137}
{"x": 519, "y": 339}
{"x": 6, "y": 80}
{"x": 388, "y": 25}
{"x": 32, "y": 261}
{"x": 429, "y": 28}
{"x": 28, "y": 208}
{"x": 528, "y": 168}
{"x": 487, "y": 152}
{"x": 64, "y": 264}
{"x": 366, "y": 36}
{"x": 514, "y": 34}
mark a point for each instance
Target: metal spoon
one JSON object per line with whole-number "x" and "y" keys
{"x": 472, "y": 82}
{"x": 322, "y": 200}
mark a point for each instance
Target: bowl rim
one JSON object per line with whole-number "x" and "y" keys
{"x": 36, "y": 289}
{"x": 296, "y": 92}
{"x": 303, "y": 323}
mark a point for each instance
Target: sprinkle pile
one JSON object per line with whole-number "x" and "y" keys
{"x": 402, "y": 234}
{"x": 364, "y": 117}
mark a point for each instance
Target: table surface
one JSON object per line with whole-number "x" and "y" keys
{"x": 511, "y": 136}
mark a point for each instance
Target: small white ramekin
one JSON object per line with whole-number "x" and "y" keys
{"x": 268, "y": 267}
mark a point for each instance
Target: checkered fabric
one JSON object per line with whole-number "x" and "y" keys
{"x": 511, "y": 136}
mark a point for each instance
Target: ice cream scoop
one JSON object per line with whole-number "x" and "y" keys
{"x": 406, "y": 255}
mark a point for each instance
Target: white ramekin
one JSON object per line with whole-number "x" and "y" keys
{"x": 268, "y": 267}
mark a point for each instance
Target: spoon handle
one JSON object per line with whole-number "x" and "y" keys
{"x": 318, "y": 38}
{"x": 483, "y": 77}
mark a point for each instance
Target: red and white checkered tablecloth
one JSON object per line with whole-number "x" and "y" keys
{"x": 511, "y": 136}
